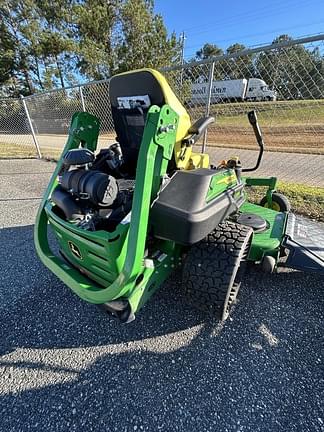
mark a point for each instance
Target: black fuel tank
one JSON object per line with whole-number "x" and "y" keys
{"x": 181, "y": 213}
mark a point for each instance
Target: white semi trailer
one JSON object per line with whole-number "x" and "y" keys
{"x": 253, "y": 89}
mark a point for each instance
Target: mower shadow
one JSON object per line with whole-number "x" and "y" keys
{"x": 38, "y": 311}
{"x": 41, "y": 312}
{"x": 168, "y": 370}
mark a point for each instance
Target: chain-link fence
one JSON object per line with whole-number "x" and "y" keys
{"x": 15, "y": 134}
{"x": 283, "y": 82}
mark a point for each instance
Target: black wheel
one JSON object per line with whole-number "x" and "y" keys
{"x": 279, "y": 202}
{"x": 268, "y": 264}
{"x": 214, "y": 267}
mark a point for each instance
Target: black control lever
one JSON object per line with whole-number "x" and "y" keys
{"x": 258, "y": 135}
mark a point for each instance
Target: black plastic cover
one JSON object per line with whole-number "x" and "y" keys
{"x": 78, "y": 157}
{"x": 64, "y": 201}
{"x": 181, "y": 213}
{"x": 99, "y": 188}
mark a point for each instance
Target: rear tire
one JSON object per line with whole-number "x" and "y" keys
{"x": 280, "y": 203}
{"x": 214, "y": 268}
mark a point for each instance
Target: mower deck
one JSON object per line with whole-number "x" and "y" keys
{"x": 266, "y": 242}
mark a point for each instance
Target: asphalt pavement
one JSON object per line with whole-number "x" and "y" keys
{"x": 66, "y": 366}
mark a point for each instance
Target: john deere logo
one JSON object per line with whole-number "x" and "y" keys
{"x": 75, "y": 250}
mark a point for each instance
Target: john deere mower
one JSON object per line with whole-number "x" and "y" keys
{"x": 128, "y": 216}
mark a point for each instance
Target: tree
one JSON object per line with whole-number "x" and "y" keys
{"x": 238, "y": 67}
{"x": 7, "y": 61}
{"x": 231, "y": 66}
{"x": 14, "y": 16}
{"x": 39, "y": 32}
{"x": 293, "y": 70}
{"x": 144, "y": 41}
{"x": 316, "y": 75}
{"x": 96, "y": 36}
{"x": 56, "y": 47}
{"x": 52, "y": 43}
{"x": 207, "y": 51}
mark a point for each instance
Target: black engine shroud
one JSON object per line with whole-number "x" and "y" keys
{"x": 89, "y": 197}
{"x": 99, "y": 188}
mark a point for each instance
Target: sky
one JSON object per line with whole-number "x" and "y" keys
{"x": 250, "y": 22}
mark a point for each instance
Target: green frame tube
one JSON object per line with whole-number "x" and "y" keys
{"x": 270, "y": 182}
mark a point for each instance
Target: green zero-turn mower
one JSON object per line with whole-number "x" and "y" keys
{"x": 127, "y": 216}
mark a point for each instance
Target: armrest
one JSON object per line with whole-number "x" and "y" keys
{"x": 197, "y": 129}
{"x": 200, "y": 125}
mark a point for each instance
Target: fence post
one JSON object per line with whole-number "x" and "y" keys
{"x": 207, "y": 110}
{"x": 82, "y": 99}
{"x": 31, "y": 127}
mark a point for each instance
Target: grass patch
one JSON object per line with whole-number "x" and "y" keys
{"x": 274, "y": 114}
{"x": 13, "y": 151}
{"x": 305, "y": 200}
{"x": 51, "y": 154}
{"x": 8, "y": 151}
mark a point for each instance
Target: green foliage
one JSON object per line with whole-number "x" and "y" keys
{"x": 207, "y": 51}
{"x": 295, "y": 72}
{"x": 144, "y": 39}
{"x": 96, "y": 35}
{"x": 7, "y": 56}
{"x": 39, "y": 31}
{"x": 238, "y": 67}
{"x": 47, "y": 44}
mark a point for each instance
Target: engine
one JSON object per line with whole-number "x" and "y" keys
{"x": 93, "y": 192}
{"x": 98, "y": 188}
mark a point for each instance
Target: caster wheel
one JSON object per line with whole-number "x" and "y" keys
{"x": 268, "y": 264}
{"x": 279, "y": 203}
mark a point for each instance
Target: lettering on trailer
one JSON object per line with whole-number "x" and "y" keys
{"x": 200, "y": 90}
{"x": 219, "y": 90}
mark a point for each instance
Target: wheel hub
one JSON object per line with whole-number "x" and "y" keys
{"x": 256, "y": 222}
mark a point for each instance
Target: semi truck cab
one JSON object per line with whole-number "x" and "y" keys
{"x": 258, "y": 90}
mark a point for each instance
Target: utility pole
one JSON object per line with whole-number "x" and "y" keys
{"x": 182, "y": 42}
{"x": 182, "y": 45}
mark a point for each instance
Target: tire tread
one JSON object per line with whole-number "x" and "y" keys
{"x": 210, "y": 265}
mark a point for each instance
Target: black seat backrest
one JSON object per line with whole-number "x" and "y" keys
{"x": 131, "y": 95}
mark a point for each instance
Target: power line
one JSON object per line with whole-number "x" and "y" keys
{"x": 247, "y": 16}
{"x": 195, "y": 47}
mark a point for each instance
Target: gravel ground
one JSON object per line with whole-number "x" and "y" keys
{"x": 65, "y": 366}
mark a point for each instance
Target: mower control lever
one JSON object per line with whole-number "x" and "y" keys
{"x": 257, "y": 132}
